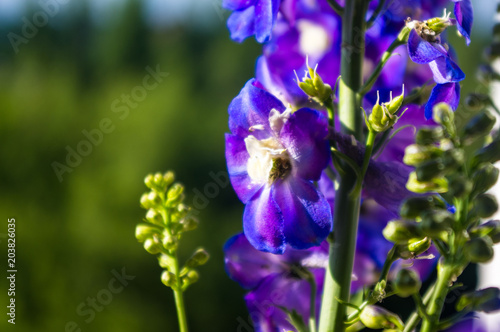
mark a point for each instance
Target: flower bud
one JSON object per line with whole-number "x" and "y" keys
{"x": 160, "y": 182}
{"x": 312, "y": 84}
{"x": 490, "y": 228}
{"x": 152, "y": 245}
{"x": 419, "y": 246}
{"x": 380, "y": 118}
{"x": 442, "y": 114}
{"x": 480, "y": 125}
{"x": 434, "y": 222}
{"x": 436, "y": 185}
{"x": 484, "y": 178}
{"x": 189, "y": 224}
{"x": 479, "y": 250}
{"x": 407, "y": 283}
{"x": 459, "y": 186}
{"x": 168, "y": 178}
{"x": 168, "y": 279}
{"x": 395, "y": 104}
{"x": 144, "y": 231}
{"x": 145, "y": 202}
{"x": 169, "y": 241}
{"x": 413, "y": 207}
{"x": 154, "y": 217}
{"x": 149, "y": 181}
{"x": 375, "y": 317}
{"x": 430, "y": 169}
{"x": 190, "y": 278}
{"x": 429, "y": 135}
{"x": 174, "y": 194}
{"x": 488, "y": 154}
{"x": 486, "y": 300}
{"x": 200, "y": 257}
{"x": 439, "y": 24}
{"x": 477, "y": 101}
{"x": 416, "y": 154}
{"x": 485, "y": 205}
{"x": 400, "y": 231}
{"x": 165, "y": 261}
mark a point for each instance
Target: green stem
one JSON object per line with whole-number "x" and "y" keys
{"x": 312, "y": 305}
{"x": 178, "y": 295}
{"x": 376, "y": 13}
{"x": 420, "y": 305}
{"x": 414, "y": 318}
{"x": 445, "y": 275}
{"x": 400, "y": 40}
{"x": 336, "y": 7}
{"x": 341, "y": 259}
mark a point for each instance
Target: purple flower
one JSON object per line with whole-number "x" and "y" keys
{"x": 273, "y": 157}
{"x": 471, "y": 323}
{"x": 464, "y": 15}
{"x": 275, "y": 280}
{"x": 251, "y": 17}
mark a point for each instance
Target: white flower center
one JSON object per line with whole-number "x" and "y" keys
{"x": 313, "y": 40}
{"x": 268, "y": 160}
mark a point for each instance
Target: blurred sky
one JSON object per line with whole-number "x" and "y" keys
{"x": 167, "y": 12}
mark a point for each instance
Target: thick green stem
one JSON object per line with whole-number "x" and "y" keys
{"x": 343, "y": 240}
{"x": 179, "y": 298}
{"x": 414, "y": 318}
{"x": 445, "y": 275}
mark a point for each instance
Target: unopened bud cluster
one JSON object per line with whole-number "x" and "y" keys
{"x": 312, "y": 84}
{"x": 383, "y": 116}
{"x": 167, "y": 218}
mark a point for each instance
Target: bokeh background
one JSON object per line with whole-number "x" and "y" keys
{"x": 74, "y": 229}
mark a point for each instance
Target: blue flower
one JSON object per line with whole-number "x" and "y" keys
{"x": 464, "y": 15}
{"x": 273, "y": 157}
{"x": 251, "y": 17}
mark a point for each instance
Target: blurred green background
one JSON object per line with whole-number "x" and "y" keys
{"x": 74, "y": 229}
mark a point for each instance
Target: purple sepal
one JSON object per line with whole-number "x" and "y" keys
{"x": 464, "y": 14}
{"x": 443, "y": 93}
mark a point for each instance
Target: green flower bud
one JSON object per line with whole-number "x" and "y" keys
{"x": 152, "y": 245}
{"x": 434, "y": 222}
{"x": 168, "y": 279}
{"x": 165, "y": 261}
{"x": 168, "y": 178}
{"x": 488, "y": 154}
{"x": 479, "y": 250}
{"x": 436, "y": 185}
{"x": 145, "y": 202}
{"x": 154, "y": 217}
{"x": 144, "y": 231}
{"x": 375, "y": 317}
{"x": 453, "y": 158}
{"x": 419, "y": 246}
{"x": 429, "y": 170}
{"x": 490, "y": 228}
{"x": 189, "y": 224}
{"x": 312, "y": 84}
{"x": 160, "y": 182}
{"x": 190, "y": 278}
{"x": 416, "y": 154}
{"x": 484, "y": 178}
{"x": 477, "y": 101}
{"x": 175, "y": 194}
{"x": 439, "y": 24}
{"x": 485, "y": 205}
{"x": 200, "y": 257}
{"x": 487, "y": 300}
{"x": 479, "y": 126}
{"x": 413, "y": 207}
{"x": 459, "y": 186}
{"x": 400, "y": 231}
{"x": 407, "y": 283}
{"x": 149, "y": 181}
{"x": 170, "y": 241}
{"x": 380, "y": 118}
{"x": 442, "y": 114}
{"x": 429, "y": 135}
{"x": 395, "y": 104}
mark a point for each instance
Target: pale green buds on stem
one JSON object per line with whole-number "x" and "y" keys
{"x": 375, "y": 317}
{"x": 312, "y": 84}
{"x": 383, "y": 116}
{"x": 407, "y": 283}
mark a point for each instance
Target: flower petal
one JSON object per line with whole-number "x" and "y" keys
{"x": 464, "y": 14}
{"x": 251, "y": 108}
{"x": 247, "y": 265}
{"x": 304, "y": 137}
{"x": 420, "y": 50}
{"x": 306, "y": 213}
{"x": 445, "y": 70}
{"x": 241, "y": 24}
{"x": 443, "y": 93}
{"x": 263, "y": 222}
{"x": 237, "y": 158}
{"x": 266, "y": 12}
